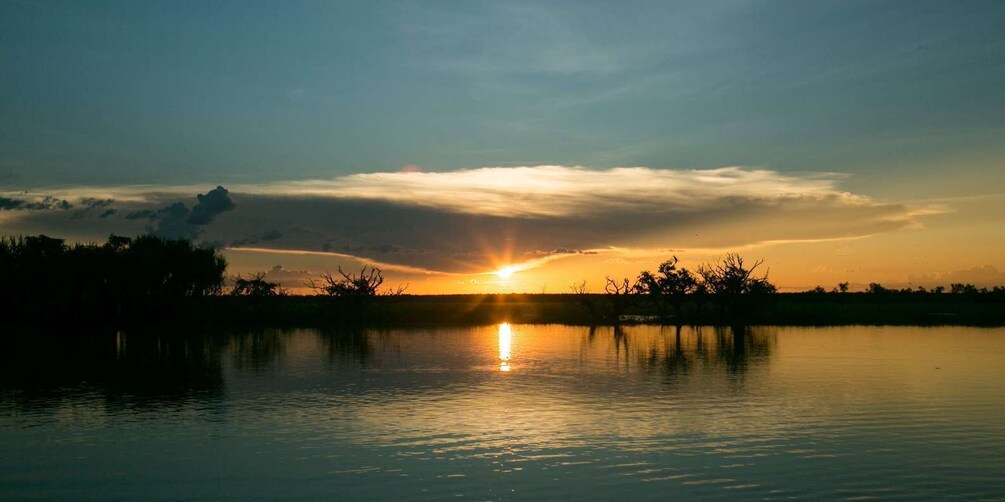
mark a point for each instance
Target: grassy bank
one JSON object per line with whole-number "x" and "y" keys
{"x": 594, "y": 309}
{"x": 777, "y": 309}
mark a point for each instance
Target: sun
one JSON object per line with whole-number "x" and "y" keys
{"x": 506, "y": 272}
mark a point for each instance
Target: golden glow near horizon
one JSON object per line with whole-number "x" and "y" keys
{"x": 505, "y": 343}
{"x": 961, "y": 246}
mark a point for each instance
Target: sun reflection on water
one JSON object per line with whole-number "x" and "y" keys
{"x": 505, "y": 340}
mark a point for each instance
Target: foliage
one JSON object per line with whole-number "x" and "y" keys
{"x": 43, "y": 277}
{"x": 257, "y": 287}
{"x": 620, "y": 293}
{"x": 349, "y": 285}
{"x": 670, "y": 284}
{"x": 353, "y": 293}
{"x": 732, "y": 277}
{"x": 963, "y": 289}
{"x": 584, "y": 298}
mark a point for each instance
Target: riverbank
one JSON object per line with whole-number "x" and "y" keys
{"x": 795, "y": 309}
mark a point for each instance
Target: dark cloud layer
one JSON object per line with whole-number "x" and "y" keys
{"x": 178, "y": 221}
{"x": 145, "y": 214}
{"x": 211, "y": 204}
{"x": 269, "y": 236}
{"x": 472, "y": 221}
{"x": 458, "y": 242}
{"x": 91, "y": 205}
{"x": 47, "y": 203}
{"x": 7, "y": 203}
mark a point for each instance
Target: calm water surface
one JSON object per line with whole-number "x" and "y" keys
{"x": 507, "y": 412}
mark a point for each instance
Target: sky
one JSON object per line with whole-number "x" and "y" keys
{"x": 560, "y": 141}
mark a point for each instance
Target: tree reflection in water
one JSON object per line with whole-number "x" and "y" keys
{"x": 156, "y": 368}
{"x": 347, "y": 344}
{"x": 259, "y": 349}
{"x": 145, "y": 370}
{"x": 687, "y": 349}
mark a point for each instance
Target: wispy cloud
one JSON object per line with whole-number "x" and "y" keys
{"x": 382, "y": 265}
{"x": 987, "y": 275}
{"x": 475, "y": 220}
{"x": 557, "y": 191}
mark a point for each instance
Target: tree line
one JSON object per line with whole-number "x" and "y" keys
{"x": 147, "y": 277}
{"x": 956, "y": 288}
{"x": 46, "y": 278}
{"x": 724, "y": 289}
{"x": 730, "y": 286}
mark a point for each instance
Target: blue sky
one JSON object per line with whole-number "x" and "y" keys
{"x": 877, "y": 125}
{"x": 216, "y": 92}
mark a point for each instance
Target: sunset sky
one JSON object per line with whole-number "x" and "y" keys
{"x": 556, "y": 141}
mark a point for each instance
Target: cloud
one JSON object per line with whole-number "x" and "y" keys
{"x": 985, "y": 276}
{"x": 561, "y": 251}
{"x": 211, "y": 204}
{"x": 147, "y": 214}
{"x": 474, "y": 220}
{"x": 287, "y": 278}
{"x": 7, "y": 203}
{"x": 550, "y": 191}
{"x": 267, "y": 236}
{"x": 46, "y": 203}
{"x": 177, "y": 221}
{"x": 172, "y": 223}
{"x": 93, "y": 205}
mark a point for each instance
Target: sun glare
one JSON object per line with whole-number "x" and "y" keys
{"x": 506, "y": 272}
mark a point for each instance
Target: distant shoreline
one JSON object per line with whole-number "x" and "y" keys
{"x": 780, "y": 309}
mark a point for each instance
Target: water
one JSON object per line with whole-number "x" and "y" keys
{"x": 507, "y": 412}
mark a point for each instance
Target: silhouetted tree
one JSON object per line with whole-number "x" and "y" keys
{"x": 353, "y": 293}
{"x": 670, "y": 285}
{"x": 44, "y": 278}
{"x": 735, "y": 285}
{"x": 620, "y": 296}
{"x": 584, "y": 298}
{"x": 348, "y": 285}
{"x": 701, "y": 296}
{"x": 257, "y": 286}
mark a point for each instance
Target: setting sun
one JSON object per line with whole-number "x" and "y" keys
{"x": 506, "y": 272}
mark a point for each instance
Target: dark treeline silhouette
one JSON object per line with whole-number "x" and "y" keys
{"x": 45, "y": 279}
{"x": 257, "y": 287}
{"x": 352, "y": 296}
{"x": 727, "y": 289}
{"x": 46, "y": 282}
{"x": 956, "y": 288}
